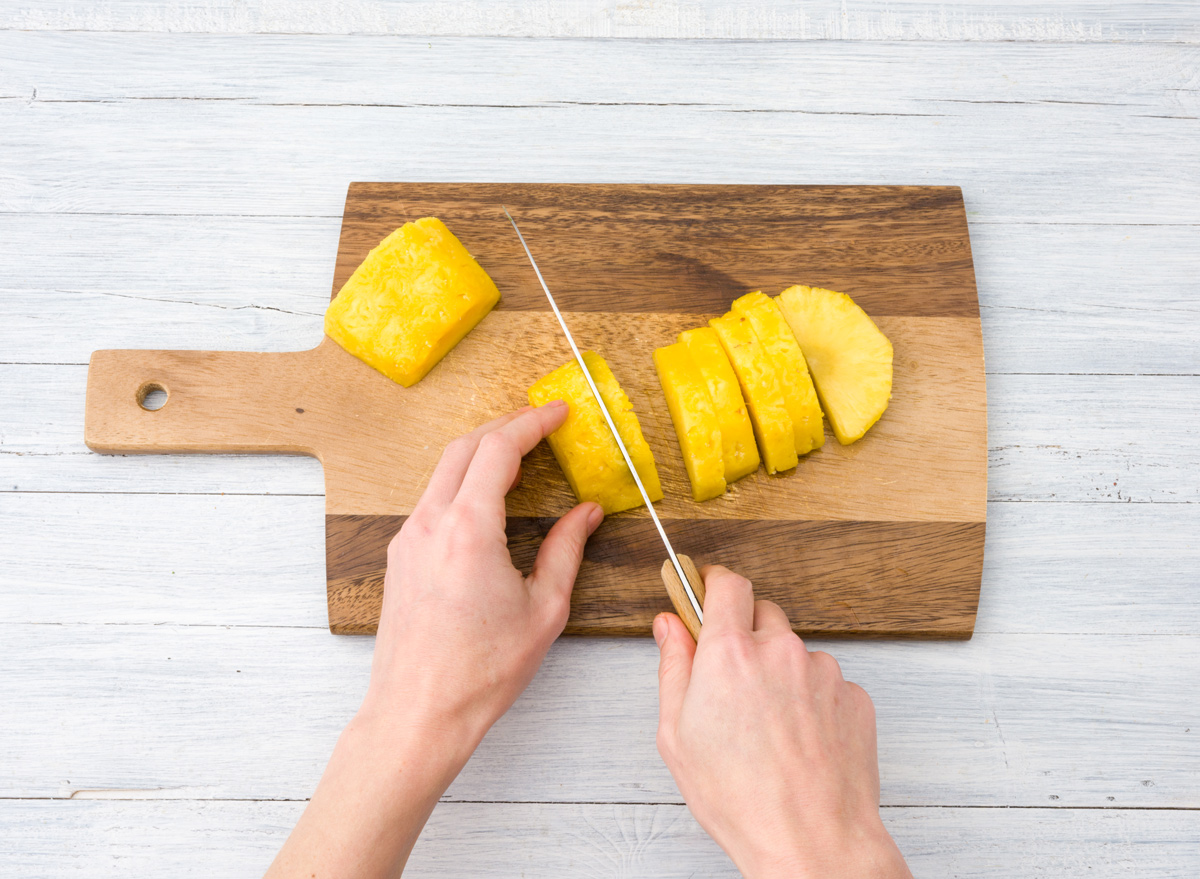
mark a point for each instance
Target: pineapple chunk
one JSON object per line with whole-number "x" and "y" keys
{"x": 799, "y": 396}
{"x": 762, "y": 386}
{"x": 695, "y": 420}
{"x": 413, "y": 299}
{"x": 850, "y": 359}
{"x": 584, "y": 445}
{"x": 738, "y": 450}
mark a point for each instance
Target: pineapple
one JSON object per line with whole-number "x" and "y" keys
{"x": 762, "y": 386}
{"x": 584, "y": 445}
{"x": 738, "y": 451}
{"x": 850, "y": 359}
{"x": 799, "y": 396}
{"x": 695, "y": 420}
{"x": 413, "y": 299}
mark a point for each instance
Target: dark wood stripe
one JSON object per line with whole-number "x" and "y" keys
{"x": 872, "y": 579}
{"x": 898, "y": 250}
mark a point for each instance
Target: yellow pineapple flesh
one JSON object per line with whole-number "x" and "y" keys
{"x": 799, "y": 395}
{"x": 850, "y": 359}
{"x": 413, "y": 299}
{"x": 762, "y": 387}
{"x": 695, "y": 420}
{"x": 584, "y": 445}
{"x": 738, "y": 450}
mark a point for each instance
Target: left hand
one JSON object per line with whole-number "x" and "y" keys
{"x": 462, "y": 631}
{"x": 461, "y": 634}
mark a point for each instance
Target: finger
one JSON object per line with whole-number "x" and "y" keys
{"x": 676, "y": 652}
{"x": 826, "y": 665}
{"x": 560, "y": 555}
{"x": 499, "y": 455}
{"x": 456, "y": 457}
{"x": 728, "y": 600}
{"x": 769, "y": 618}
{"x": 517, "y": 480}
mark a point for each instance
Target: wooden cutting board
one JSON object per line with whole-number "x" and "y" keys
{"x": 883, "y": 538}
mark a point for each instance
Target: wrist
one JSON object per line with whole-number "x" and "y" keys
{"x": 426, "y": 740}
{"x": 863, "y": 850}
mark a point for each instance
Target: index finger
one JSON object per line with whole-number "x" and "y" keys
{"x": 498, "y": 456}
{"x": 448, "y": 475}
{"x": 728, "y": 600}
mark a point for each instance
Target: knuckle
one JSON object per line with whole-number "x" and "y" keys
{"x": 664, "y": 741}
{"x": 733, "y": 647}
{"x": 497, "y": 443}
{"x": 458, "y": 447}
{"x": 826, "y": 664}
{"x": 728, "y": 579}
{"x": 861, "y": 696}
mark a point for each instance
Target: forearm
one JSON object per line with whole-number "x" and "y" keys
{"x": 376, "y": 794}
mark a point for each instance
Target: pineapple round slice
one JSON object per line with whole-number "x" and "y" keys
{"x": 850, "y": 359}
{"x": 695, "y": 420}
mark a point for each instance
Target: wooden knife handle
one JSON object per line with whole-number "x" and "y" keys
{"x": 679, "y": 596}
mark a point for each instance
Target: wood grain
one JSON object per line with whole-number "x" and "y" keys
{"x": 890, "y": 529}
{"x": 1065, "y": 21}
{"x": 252, "y": 712}
{"x": 149, "y": 838}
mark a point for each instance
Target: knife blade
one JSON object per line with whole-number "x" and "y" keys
{"x": 676, "y": 566}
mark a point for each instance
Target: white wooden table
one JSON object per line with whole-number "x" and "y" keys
{"x": 174, "y": 176}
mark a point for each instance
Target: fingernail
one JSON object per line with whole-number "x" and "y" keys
{"x": 595, "y": 517}
{"x": 660, "y": 630}
{"x": 554, "y": 404}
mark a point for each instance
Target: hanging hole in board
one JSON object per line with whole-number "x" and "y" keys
{"x": 152, "y": 396}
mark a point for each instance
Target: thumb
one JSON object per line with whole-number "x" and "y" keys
{"x": 561, "y": 552}
{"x": 676, "y": 652}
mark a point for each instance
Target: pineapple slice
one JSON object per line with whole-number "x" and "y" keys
{"x": 584, "y": 445}
{"x": 799, "y": 396}
{"x": 762, "y": 386}
{"x": 413, "y": 299}
{"x": 695, "y": 420}
{"x": 738, "y": 451}
{"x": 850, "y": 359}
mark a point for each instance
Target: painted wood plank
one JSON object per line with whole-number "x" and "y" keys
{"x": 194, "y": 712}
{"x": 1047, "y": 292}
{"x": 138, "y": 838}
{"x": 1066, "y": 438}
{"x": 977, "y": 20}
{"x": 350, "y": 70}
{"x": 1015, "y": 161}
{"x": 256, "y": 561}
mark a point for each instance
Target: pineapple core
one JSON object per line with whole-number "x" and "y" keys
{"x": 413, "y": 299}
{"x": 695, "y": 419}
{"x": 584, "y": 445}
{"x": 850, "y": 359}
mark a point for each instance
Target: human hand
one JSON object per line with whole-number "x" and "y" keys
{"x": 773, "y": 751}
{"x": 462, "y": 632}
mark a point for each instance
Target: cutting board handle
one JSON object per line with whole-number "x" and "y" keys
{"x": 216, "y": 401}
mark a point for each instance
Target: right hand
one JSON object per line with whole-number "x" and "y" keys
{"x": 773, "y": 751}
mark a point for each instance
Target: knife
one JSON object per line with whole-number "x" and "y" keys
{"x": 679, "y": 574}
